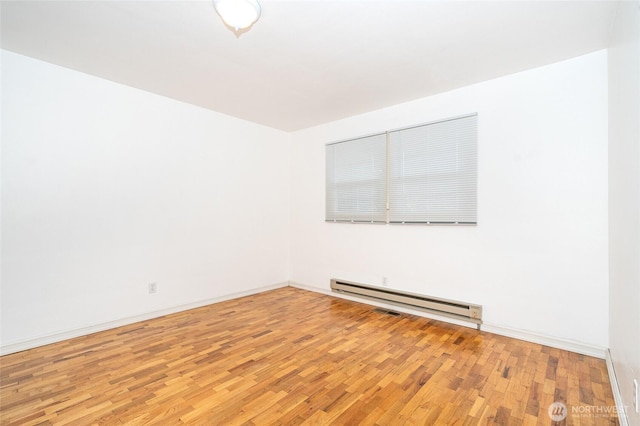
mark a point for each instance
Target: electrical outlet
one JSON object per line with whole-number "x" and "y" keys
{"x": 152, "y": 288}
{"x": 636, "y": 402}
{"x": 385, "y": 281}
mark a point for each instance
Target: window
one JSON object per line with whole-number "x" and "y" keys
{"x": 357, "y": 180}
{"x": 422, "y": 174}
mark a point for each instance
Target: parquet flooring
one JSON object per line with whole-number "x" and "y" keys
{"x": 289, "y": 356}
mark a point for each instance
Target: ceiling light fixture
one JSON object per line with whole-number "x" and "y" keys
{"x": 238, "y": 14}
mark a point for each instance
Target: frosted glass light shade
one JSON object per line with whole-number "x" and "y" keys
{"x": 238, "y": 14}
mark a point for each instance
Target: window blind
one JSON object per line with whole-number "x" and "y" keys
{"x": 432, "y": 172}
{"x": 356, "y": 180}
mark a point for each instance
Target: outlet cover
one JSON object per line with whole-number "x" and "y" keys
{"x": 152, "y": 288}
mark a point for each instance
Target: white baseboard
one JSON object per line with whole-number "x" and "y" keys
{"x": 541, "y": 339}
{"x": 528, "y": 336}
{"x": 70, "y": 334}
{"x": 615, "y": 387}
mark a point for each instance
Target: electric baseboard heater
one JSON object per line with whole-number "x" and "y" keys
{"x": 449, "y": 308}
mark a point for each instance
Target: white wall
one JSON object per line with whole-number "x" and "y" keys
{"x": 624, "y": 200}
{"x": 537, "y": 260}
{"x": 106, "y": 188}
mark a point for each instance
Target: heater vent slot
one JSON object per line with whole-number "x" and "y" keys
{"x": 387, "y": 312}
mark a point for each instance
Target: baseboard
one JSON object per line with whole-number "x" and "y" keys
{"x": 615, "y": 387}
{"x": 541, "y": 339}
{"x": 528, "y": 336}
{"x": 58, "y": 337}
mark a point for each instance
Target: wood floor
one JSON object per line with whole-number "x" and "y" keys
{"x": 290, "y": 356}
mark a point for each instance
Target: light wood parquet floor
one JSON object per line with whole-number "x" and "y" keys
{"x": 289, "y": 356}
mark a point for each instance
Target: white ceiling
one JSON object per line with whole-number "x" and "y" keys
{"x": 304, "y": 62}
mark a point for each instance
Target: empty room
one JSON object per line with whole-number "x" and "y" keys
{"x": 262, "y": 212}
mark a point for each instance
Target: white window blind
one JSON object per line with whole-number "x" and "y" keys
{"x": 422, "y": 174}
{"x": 432, "y": 172}
{"x": 356, "y": 180}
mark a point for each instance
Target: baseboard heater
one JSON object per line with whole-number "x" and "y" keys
{"x": 450, "y": 308}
